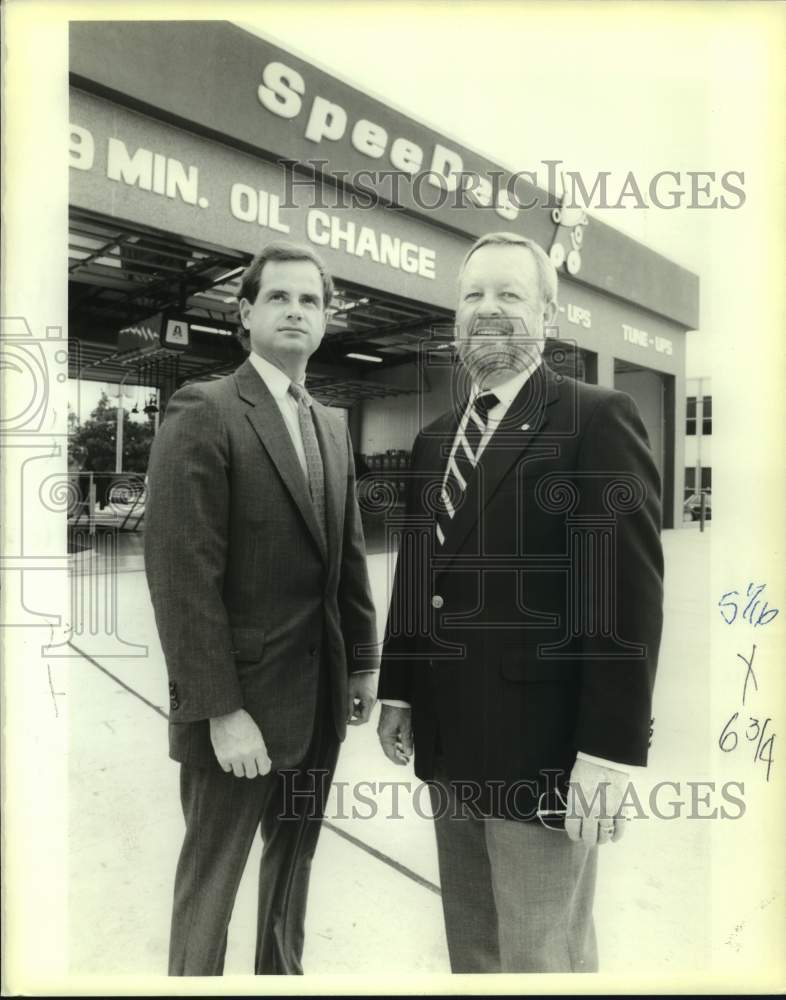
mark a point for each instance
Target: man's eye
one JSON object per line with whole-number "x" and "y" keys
{"x": 471, "y": 295}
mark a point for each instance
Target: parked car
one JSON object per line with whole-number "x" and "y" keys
{"x": 691, "y": 509}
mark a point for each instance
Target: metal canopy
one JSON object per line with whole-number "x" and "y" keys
{"x": 120, "y": 274}
{"x": 628, "y": 367}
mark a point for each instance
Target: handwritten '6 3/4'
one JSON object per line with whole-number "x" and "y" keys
{"x": 755, "y": 731}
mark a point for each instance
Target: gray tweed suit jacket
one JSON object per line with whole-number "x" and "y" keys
{"x": 250, "y": 597}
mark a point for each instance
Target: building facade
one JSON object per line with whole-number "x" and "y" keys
{"x": 698, "y": 441}
{"x": 194, "y": 143}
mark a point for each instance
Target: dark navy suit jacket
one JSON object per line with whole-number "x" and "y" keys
{"x": 534, "y": 632}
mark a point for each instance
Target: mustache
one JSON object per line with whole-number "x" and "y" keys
{"x": 495, "y": 324}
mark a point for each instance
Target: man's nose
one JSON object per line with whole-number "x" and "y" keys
{"x": 489, "y": 307}
{"x": 294, "y": 309}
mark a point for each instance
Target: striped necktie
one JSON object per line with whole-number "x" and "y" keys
{"x": 463, "y": 461}
{"x": 316, "y": 470}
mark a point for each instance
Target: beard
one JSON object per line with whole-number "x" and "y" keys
{"x": 496, "y": 349}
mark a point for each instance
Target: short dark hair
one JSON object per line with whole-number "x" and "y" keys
{"x": 278, "y": 250}
{"x": 252, "y": 276}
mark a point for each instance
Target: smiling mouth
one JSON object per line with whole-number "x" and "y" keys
{"x": 497, "y": 332}
{"x": 491, "y": 328}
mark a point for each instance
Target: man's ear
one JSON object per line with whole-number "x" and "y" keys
{"x": 245, "y": 308}
{"x": 549, "y": 313}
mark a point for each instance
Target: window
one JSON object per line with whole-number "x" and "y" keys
{"x": 690, "y": 480}
{"x": 690, "y": 421}
{"x": 706, "y": 415}
{"x": 706, "y": 478}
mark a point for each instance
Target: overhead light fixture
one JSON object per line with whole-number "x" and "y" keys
{"x": 342, "y": 306}
{"x": 211, "y": 329}
{"x": 229, "y": 274}
{"x": 364, "y": 357}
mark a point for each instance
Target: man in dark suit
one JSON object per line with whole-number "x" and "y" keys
{"x": 524, "y": 627}
{"x": 256, "y": 565}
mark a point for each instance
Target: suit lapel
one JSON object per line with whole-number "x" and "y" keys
{"x": 525, "y": 420}
{"x": 334, "y": 459}
{"x": 432, "y": 460}
{"x": 265, "y": 417}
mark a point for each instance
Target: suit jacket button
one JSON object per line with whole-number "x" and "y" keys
{"x": 437, "y": 601}
{"x": 174, "y": 704}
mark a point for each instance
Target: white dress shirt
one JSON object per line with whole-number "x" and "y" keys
{"x": 278, "y": 383}
{"x": 506, "y": 392}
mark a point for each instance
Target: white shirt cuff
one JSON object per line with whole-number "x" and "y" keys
{"x": 602, "y": 762}
{"x": 394, "y": 704}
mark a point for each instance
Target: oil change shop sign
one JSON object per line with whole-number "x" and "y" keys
{"x": 219, "y": 82}
{"x": 130, "y": 166}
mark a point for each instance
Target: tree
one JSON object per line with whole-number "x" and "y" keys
{"x": 92, "y": 445}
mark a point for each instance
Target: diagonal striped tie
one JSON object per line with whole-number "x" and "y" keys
{"x": 316, "y": 470}
{"x": 463, "y": 461}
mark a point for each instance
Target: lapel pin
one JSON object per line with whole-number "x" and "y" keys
{"x": 525, "y": 427}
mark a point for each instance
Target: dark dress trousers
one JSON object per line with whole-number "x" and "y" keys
{"x": 258, "y": 607}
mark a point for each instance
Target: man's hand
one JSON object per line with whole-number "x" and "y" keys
{"x": 395, "y": 733}
{"x": 238, "y": 744}
{"x": 594, "y": 798}
{"x": 362, "y": 689}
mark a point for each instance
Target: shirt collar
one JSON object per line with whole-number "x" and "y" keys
{"x": 278, "y": 382}
{"x": 507, "y": 391}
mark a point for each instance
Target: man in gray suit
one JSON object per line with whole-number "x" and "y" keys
{"x": 256, "y": 565}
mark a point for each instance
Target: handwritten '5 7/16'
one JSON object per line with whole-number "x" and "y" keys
{"x": 748, "y": 608}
